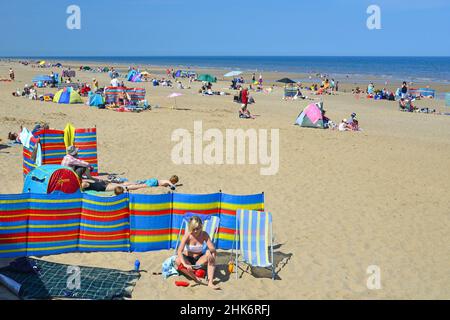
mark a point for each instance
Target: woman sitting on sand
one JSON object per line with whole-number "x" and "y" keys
{"x": 190, "y": 252}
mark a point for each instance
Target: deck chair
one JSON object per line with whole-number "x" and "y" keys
{"x": 210, "y": 225}
{"x": 255, "y": 239}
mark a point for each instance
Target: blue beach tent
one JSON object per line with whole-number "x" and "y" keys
{"x": 50, "y": 178}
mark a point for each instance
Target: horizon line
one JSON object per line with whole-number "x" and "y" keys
{"x": 218, "y": 56}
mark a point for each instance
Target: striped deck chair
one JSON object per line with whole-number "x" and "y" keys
{"x": 255, "y": 239}
{"x": 210, "y": 225}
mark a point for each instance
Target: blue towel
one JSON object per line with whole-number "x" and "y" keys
{"x": 168, "y": 267}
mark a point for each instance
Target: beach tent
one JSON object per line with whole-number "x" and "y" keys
{"x": 86, "y": 68}
{"x": 311, "y": 116}
{"x": 67, "y": 95}
{"x": 96, "y": 100}
{"x": 51, "y": 178}
{"x": 207, "y": 78}
{"x": 134, "y": 76}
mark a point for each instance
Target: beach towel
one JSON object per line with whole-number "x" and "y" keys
{"x": 69, "y": 135}
{"x": 36, "y": 156}
{"x": 25, "y": 137}
{"x": 168, "y": 267}
{"x": 39, "y": 279}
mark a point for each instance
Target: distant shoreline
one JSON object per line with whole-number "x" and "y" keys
{"x": 346, "y": 69}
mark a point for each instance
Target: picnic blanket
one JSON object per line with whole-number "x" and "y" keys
{"x": 38, "y": 279}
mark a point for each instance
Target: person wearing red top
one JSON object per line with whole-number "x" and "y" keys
{"x": 244, "y": 99}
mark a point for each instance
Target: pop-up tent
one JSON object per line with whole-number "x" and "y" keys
{"x": 51, "y": 178}
{"x": 96, "y": 100}
{"x": 311, "y": 116}
{"x": 134, "y": 76}
{"x": 67, "y": 95}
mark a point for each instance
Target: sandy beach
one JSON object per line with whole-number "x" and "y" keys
{"x": 341, "y": 201}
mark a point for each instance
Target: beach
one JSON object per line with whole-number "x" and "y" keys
{"x": 341, "y": 201}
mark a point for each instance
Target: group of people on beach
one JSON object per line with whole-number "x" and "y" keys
{"x": 191, "y": 254}
{"x": 84, "y": 171}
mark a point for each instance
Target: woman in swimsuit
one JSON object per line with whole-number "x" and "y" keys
{"x": 190, "y": 252}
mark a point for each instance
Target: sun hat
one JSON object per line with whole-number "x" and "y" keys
{"x": 72, "y": 150}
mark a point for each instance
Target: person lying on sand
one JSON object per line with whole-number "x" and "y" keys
{"x": 190, "y": 252}
{"x": 172, "y": 183}
{"x": 103, "y": 185}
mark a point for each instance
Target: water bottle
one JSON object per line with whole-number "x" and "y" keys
{"x": 137, "y": 263}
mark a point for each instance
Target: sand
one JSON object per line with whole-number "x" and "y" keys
{"x": 341, "y": 201}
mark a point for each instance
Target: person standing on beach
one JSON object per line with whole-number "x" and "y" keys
{"x": 11, "y": 74}
{"x": 94, "y": 85}
{"x": 253, "y": 77}
{"x": 404, "y": 90}
{"x": 260, "y": 80}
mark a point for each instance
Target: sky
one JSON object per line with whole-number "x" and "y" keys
{"x": 225, "y": 28}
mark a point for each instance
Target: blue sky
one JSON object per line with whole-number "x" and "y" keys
{"x": 217, "y": 27}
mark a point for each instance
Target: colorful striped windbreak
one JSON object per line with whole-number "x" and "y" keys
{"x": 54, "y": 148}
{"x": 45, "y": 224}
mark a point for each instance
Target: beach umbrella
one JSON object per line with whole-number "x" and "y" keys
{"x": 174, "y": 96}
{"x": 42, "y": 62}
{"x": 286, "y": 80}
{"x": 206, "y": 78}
{"x": 232, "y": 73}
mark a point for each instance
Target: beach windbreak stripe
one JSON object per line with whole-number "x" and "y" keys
{"x": 204, "y": 205}
{"x": 44, "y": 224}
{"x": 105, "y": 223}
{"x": 86, "y": 141}
{"x": 150, "y": 222}
{"x": 229, "y": 204}
{"x": 54, "y": 148}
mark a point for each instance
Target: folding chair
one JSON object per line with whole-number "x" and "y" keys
{"x": 210, "y": 225}
{"x": 255, "y": 239}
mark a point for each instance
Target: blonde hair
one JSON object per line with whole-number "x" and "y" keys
{"x": 194, "y": 222}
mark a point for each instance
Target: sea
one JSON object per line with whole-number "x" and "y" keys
{"x": 381, "y": 69}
